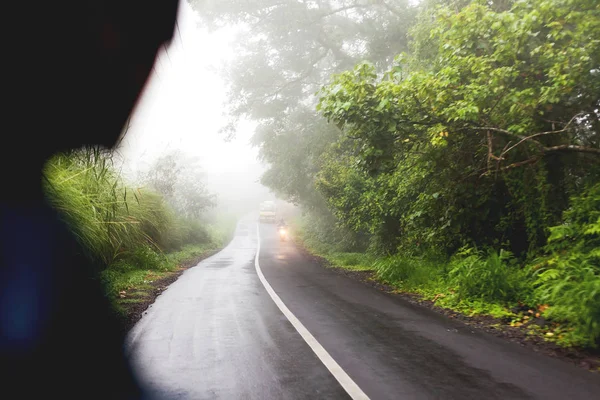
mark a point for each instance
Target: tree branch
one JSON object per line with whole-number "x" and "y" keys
{"x": 338, "y": 10}
{"x": 504, "y": 131}
{"x": 541, "y": 134}
{"x": 511, "y": 166}
{"x": 390, "y": 8}
{"x": 572, "y": 147}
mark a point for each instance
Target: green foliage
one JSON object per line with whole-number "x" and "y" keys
{"x": 108, "y": 218}
{"x": 481, "y": 143}
{"x": 125, "y": 231}
{"x": 353, "y": 261}
{"x": 472, "y": 307}
{"x": 476, "y": 137}
{"x": 116, "y": 280}
{"x": 491, "y": 276}
{"x": 190, "y": 252}
{"x": 144, "y": 257}
{"x": 112, "y": 221}
{"x": 287, "y": 49}
{"x": 137, "y": 272}
{"x": 179, "y": 180}
{"x": 568, "y": 278}
{"x": 322, "y": 232}
{"x": 411, "y": 273}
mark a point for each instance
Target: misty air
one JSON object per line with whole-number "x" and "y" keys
{"x": 289, "y": 199}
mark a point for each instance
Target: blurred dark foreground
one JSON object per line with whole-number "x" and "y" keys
{"x": 73, "y": 72}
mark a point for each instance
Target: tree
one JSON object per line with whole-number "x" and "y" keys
{"x": 180, "y": 181}
{"x": 287, "y": 50}
{"x": 163, "y": 174}
{"x": 496, "y": 124}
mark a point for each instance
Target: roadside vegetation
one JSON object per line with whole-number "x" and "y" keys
{"x": 133, "y": 234}
{"x": 455, "y": 151}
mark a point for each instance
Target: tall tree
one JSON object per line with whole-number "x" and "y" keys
{"x": 286, "y": 51}
{"x": 482, "y": 137}
{"x": 180, "y": 180}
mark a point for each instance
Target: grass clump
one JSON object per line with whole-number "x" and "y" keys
{"x": 491, "y": 276}
{"x": 109, "y": 219}
{"x": 410, "y": 273}
{"x": 131, "y": 234}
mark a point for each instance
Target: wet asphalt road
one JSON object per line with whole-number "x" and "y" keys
{"x": 216, "y": 334}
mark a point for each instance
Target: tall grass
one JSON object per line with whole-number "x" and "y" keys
{"x": 112, "y": 220}
{"x": 492, "y": 276}
{"x": 410, "y": 273}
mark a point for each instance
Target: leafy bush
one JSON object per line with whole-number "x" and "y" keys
{"x": 568, "y": 278}
{"x": 353, "y": 261}
{"x": 183, "y": 232}
{"x": 491, "y": 276}
{"x": 323, "y": 232}
{"x": 410, "y": 272}
{"x": 144, "y": 257}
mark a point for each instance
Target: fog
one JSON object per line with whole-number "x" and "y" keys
{"x": 181, "y": 109}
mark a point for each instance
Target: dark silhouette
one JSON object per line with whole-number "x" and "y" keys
{"x": 72, "y": 71}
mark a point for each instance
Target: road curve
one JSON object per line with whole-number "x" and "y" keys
{"x": 217, "y": 334}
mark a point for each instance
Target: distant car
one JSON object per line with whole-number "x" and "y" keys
{"x": 268, "y": 212}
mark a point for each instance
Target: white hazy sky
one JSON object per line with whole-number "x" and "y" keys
{"x": 182, "y": 108}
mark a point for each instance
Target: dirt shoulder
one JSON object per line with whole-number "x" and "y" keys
{"x": 585, "y": 358}
{"x": 134, "y": 302}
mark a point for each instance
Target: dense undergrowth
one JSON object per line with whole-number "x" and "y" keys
{"x": 556, "y": 295}
{"x": 466, "y": 170}
{"x": 130, "y": 233}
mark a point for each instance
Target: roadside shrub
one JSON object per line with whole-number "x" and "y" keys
{"x": 111, "y": 220}
{"x": 107, "y": 218}
{"x": 410, "y": 272}
{"x": 491, "y": 276}
{"x": 568, "y": 277}
{"x": 352, "y": 260}
{"x": 324, "y": 232}
{"x": 145, "y": 257}
{"x": 186, "y": 232}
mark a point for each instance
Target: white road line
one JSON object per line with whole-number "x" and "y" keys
{"x": 342, "y": 377}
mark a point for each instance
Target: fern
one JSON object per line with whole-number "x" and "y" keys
{"x": 569, "y": 279}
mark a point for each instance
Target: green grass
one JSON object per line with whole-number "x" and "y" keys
{"x": 112, "y": 219}
{"x": 355, "y": 261}
{"x": 137, "y": 281}
{"x": 116, "y": 280}
{"x": 411, "y": 273}
{"x": 429, "y": 276}
{"x": 133, "y": 237}
{"x": 109, "y": 218}
{"x": 472, "y": 283}
{"x": 351, "y": 261}
{"x": 128, "y": 284}
{"x": 131, "y": 301}
{"x": 191, "y": 252}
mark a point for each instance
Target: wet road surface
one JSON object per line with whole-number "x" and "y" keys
{"x": 216, "y": 333}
